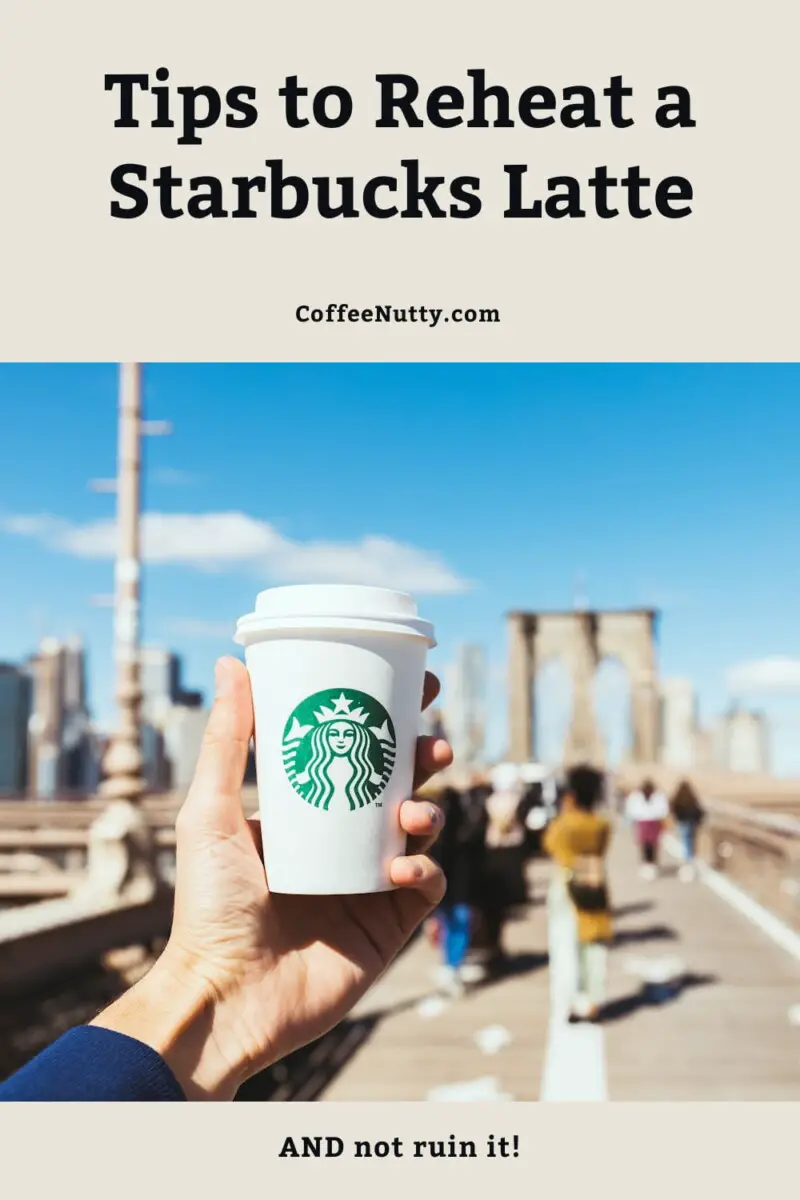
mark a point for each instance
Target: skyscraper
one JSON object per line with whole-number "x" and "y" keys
{"x": 432, "y": 723}
{"x": 47, "y": 719}
{"x": 678, "y": 723}
{"x": 15, "y": 709}
{"x": 162, "y": 688}
{"x": 465, "y": 704}
{"x": 745, "y": 741}
{"x": 183, "y": 735}
{"x": 155, "y": 764}
{"x": 159, "y": 672}
{"x": 173, "y": 721}
{"x": 77, "y": 742}
{"x": 74, "y": 675}
{"x": 62, "y": 745}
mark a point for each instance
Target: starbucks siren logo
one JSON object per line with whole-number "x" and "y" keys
{"x": 339, "y": 745}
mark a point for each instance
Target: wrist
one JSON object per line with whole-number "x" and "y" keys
{"x": 174, "y": 1011}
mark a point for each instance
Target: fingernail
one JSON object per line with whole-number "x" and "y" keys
{"x": 434, "y": 813}
{"x": 418, "y": 871}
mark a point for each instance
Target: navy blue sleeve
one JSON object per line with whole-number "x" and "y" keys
{"x": 90, "y": 1063}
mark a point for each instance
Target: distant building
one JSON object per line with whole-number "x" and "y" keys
{"x": 47, "y": 719}
{"x": 679, "y": 729}
{"x": 705, "y": 755}
{"x": 160, "y": 678}
{"x": 718, "y": 743}
{"x": 155, "y": 764}
{"x": 173, "y": 721}
{"x": 159, "y": 672}
{"x": 745, "y": 741}
{"x": 62, "y": 746}
{"x": 74, "y": 676}
{"x": 15, "y": 710}
{"x": 183, "y": 736}
{"x": 432, "y": 723}
{"x": 465, "y": 704}
{"x": 94, "y": 761}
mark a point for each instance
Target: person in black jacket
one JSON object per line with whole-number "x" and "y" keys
{"x": 504, "y": 885}
{"x": 460, "y": 851}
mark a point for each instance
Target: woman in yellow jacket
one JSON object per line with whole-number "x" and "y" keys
{"x": 578, "y": 901}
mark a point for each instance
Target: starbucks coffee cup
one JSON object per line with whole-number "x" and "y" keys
{"x": 337, "y": 674}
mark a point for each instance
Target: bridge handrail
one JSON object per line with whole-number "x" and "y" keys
{"x": 776, "y": 822}
{"x": 66, "y": 839}
{"x": 39, "y": 942}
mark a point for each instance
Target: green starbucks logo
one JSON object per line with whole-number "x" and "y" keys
{"x": 339, "y": 745}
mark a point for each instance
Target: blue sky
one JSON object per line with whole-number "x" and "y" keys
{"x": 480, "y": 488}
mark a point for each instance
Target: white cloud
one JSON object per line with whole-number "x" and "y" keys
{"x": 213, "y": 541}
{"x": 775, "y": 674}
{"x": 373, "y": 560}
{"x": 38, "y": 527}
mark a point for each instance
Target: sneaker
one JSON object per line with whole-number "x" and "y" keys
{"x": 581, "y": 1006}
{"x": 648, "y": 871}
{"x": 472, "y": 972}
{"x": 449, "y": 981}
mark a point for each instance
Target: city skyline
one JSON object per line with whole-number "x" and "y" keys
{"x": 49, "y": 744}
{"x": 670, "y": 486}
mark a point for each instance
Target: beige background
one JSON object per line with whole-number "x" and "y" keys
{"x": 215, "y": 1151}
{"x": 77, "y": 284}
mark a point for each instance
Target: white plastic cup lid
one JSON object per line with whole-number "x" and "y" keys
{"x": 332, "y": 606}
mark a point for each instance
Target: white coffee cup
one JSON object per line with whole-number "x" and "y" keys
{"x": 337, "y": 674}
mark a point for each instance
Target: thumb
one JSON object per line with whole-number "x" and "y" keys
{"x": 214, "y": 798}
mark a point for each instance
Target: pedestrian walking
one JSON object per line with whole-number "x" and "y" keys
{"x": 460, "y": 853}
{"x": 688, "y": 814}
{"x": 503, "y": 883}
{"x": 579, "y": 907}
{"x": 648, "y": 809}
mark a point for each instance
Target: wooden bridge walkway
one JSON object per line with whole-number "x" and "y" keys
{"x": 701, "y": 1007}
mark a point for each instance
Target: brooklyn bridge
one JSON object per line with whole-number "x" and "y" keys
{"x": 704, "y": 986}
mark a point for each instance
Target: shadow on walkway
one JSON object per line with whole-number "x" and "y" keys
{"x": 516, "y": 964}
{"x": 653, "y": 995}
{"x": 307, "y": 1073}
{"x": 647, "y": 933}
{"x": 632, "y": 910}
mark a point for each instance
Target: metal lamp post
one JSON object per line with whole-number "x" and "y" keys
{"x": 123, "y": 761}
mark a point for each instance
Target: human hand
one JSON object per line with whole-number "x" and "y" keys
{"x": 248, "y": 976}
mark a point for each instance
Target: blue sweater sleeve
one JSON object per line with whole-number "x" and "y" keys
{"x": 90, "y": 1063}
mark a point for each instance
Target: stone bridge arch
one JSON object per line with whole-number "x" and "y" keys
{"x": 582, "y": 639}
